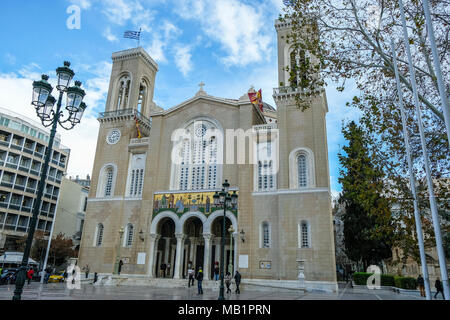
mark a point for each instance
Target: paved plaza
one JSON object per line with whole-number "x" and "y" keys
{"x": 59, "y": 291}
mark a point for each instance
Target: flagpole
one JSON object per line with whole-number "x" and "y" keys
{"x": 432, "y": 198}
{"x": 139, "y": 38}
{"x": 412, "y": 179}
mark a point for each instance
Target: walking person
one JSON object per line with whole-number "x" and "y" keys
{"x": 162, "y": 270}
{"x": 438, "y": 286}
{"x": 86, "y": 270}
{"x": 237, "y": 280}
{"x": 95, "y": 277}
{"x": 30, "y": 275}
{"x": 421, "y": 284}
{"x": 120, "y": 266}
{"x": 199, "y": 278}
{"x": 228, "y": 281}
{"x": 216, "y": 271}
{"x": 191, "y": 277}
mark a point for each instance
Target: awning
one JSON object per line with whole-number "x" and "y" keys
{"x": 15, "y": 257}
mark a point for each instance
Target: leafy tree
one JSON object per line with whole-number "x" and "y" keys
{"x": 368, "y": 225}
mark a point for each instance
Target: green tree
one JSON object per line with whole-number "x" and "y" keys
{"x": 368, "y": 224}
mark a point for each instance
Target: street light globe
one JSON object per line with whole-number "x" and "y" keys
{"x": 65, "y": 74}
{"x": 226, "y": 186}
{"x": 75, "y": 96}
{"x": 41, "y": 90}
{"x": 222, "y": 195}
{"x": 231, "y": 229}
{"x": 44, "y": 112}
{"x": 216, "y": 198}
{"x": 76, "y": 117}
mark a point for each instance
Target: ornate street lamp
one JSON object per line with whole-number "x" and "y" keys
{"x": 116, "y": 265}
{"x": 222, "y": 198}
{"x": 44, "y": 103}
{"x": 231, "y": 230}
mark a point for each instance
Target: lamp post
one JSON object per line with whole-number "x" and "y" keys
{"x": 116, "y": 265}
{"x": 221, "y": 198}
{"x": 44, "y": 103}
{"x": 230, "y": 264}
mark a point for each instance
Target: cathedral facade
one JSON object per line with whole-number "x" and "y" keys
{"x": 156, "y": 172}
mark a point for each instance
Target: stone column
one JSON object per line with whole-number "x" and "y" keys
{"x": 166, "y": 251}
{"x": 179, "y": 258}
{"x": 235, "y": 247}
{"x": 152, "y": 254}
{"x": 217, "y": 253}
{"x": 207, "y": 258}
{"x": 191, "y": 251}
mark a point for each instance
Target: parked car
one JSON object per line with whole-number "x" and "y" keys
{"x": 57, "y": 277}
{"x": 8, "y": 276}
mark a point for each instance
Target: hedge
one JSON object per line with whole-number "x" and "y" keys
{"x": 405, "y": 282}
{"x": 360, "y": 278}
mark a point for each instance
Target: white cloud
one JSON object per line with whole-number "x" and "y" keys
{"x": 242, "y": 30}
{"x": 163, "y": 36}
{"x": 83, "y": 4}
{"x": 183, "y": 59}
{"x": 109, "y": 35}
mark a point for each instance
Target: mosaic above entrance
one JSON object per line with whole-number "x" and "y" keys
{"x": 181, "y": 203}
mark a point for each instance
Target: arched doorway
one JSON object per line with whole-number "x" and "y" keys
{"x": 217, "y": 232}
{"x": 166, "y": 248}
{"x": 194, "y": 244}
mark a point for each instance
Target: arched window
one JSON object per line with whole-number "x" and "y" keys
{"x": 265, "y": 228}
{"x": 106, "y": 181}
{"x": 99, "y": 239}
{"x": 302, "y": 171}
{"x": 109, "y": 180}
{"x": 266, "y": 171}
{"x": 200, "y": 151}
{"x": 129, "y": 235}
{"x": 304, "y": 235}
{"x": 299, "y": 68}
{"x": 123, "y": 92}
{"x": 142, "y": 96}
{"x": 136, "y": 173}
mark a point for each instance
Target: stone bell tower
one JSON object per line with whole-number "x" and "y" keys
{"x": 304, "y": 203}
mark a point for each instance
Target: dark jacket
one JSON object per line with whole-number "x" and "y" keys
{"x": 237, "y": 278}
{"x": 199, "y": 276}
{"x": 438, "y": 285}
{"x": 420, "y": 281}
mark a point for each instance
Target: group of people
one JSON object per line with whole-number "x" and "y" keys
{"x": 199, "y": 278}
{"x": 437, "y": 285}
{"x": 164, "y": 269}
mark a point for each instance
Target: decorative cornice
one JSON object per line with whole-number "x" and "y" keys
{"x": 133, "y": 53}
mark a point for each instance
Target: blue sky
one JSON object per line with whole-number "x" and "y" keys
{"x": 228, "y": 44}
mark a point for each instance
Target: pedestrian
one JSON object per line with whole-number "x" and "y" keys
{"x": 237, "y": 280}
{"x": 86, "y": 270}
{"x": 168, "y": 270}
{"x": 120, "y": 266}
{"x": 228, "y": 281}
{"x": 439, "y": 288}
{"x": 191, "y": 276}
{"x": 48, "y": 273}
{"x": 216, "y": 272}
{"x": 95, "y": 277}
{"x": 421, "y": 283}
{"x": 199, "y": 278}
{"x": 30, "y": 274}
{"x": 162, "y": 272}
{"x": 65, "y": 276}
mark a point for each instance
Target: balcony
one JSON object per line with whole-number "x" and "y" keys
{"x": 265, "y": 127}
{"x": 127, "y": 114}
{"x": 290, "y": 92}
{"x": 138, "y": 143}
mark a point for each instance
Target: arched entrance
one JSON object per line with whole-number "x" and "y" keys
{"x": 166, "y": 248}
{"x": 194, "y": 245}
{"x": 216, "y": 247}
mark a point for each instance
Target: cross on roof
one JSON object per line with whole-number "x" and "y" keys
{"x": 201, "y": 85}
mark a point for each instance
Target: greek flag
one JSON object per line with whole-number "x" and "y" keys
{"x": 132, "y": 35}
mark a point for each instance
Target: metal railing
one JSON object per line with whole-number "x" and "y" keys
{"x": 125, "y": 112}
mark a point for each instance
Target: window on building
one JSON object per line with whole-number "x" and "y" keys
{"x": 265, "y": 235}
{"x": 123, "y": 92}
{"x": 99, "y": 239}
{"x": 302, "y": 171}
{"x": 199, "y": 153}
{"x": 109, "y": 180}
{"x": 142, "y": 94}
{"x": 129, "y": 235}
{"x": 304, "y": 235}
{"x": 136, "y": 175}
{"x": 266, "y": 171}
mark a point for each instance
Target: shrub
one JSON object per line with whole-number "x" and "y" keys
{"x": 405, "y": 282}
{"x": 360, "y": 278}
